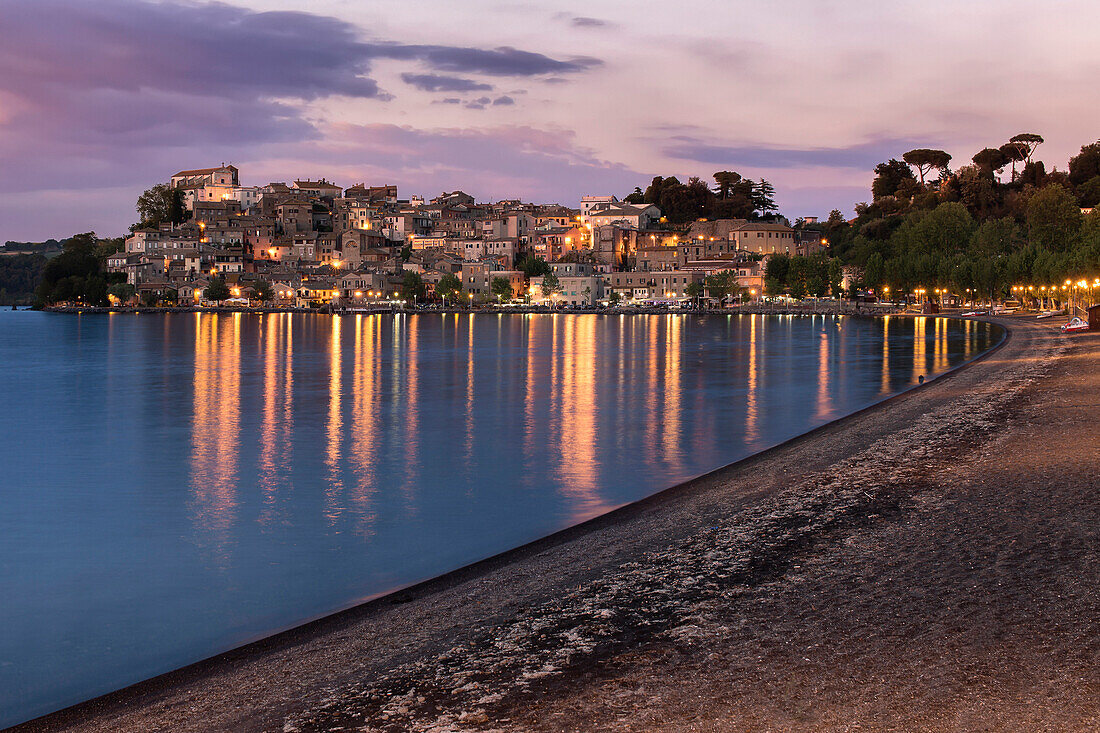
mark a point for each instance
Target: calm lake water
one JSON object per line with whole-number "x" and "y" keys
{"x": 173, "y": 486}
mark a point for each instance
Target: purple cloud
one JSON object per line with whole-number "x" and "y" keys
{"x": 584, "y": 22}
{"x": 440, "y": 83}
{"x": 503, "y": 101}
{"x": 495, "y": 162}
{"x": 863, "y": 155}
{"x": 479, "y": 103}
{"x": 502, "y": 61}
{"x": 118, "y": 94}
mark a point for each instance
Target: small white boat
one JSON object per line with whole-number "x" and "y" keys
{"x": 973, "y": 313}
{"x": 1076, "y": 325}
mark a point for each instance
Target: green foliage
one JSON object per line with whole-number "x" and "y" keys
{"x": 159, "y": 205}
{"x": 926, "y": 159}
{"x": 1027, "y": 142}
{"x": 995, "y": 238}
{"x": 264, "y": 291}
{"x": 19, "y": 276}
{"x": 122, "y": 291}
{"x": 890, "y": 177}
{"x": 1085, "y": 165}
{"x": 775, "y": 274}
{"x": 217, "y": 290}
{"x": 500, "y": 287}
{"x": 550, "y": 285}
{"x": 763, "y": 198}
{"x": 722, "y": 285}
{"x": 800, "y": 276}
{"x": 412, "y": 286}
{"x": 941, "y": 230}
{"x": 990, "y": 160}
{"x": 835, "y": 276}
{"x": 449, "y": 286}
{"x": 75, "y": 275}
{"x": 694, "y": 290}
{"x": 1088, "y": 193}
{"x": 1053, "y": 218}
{"x": 734, "y": 198}
{"x": 533, "y": 266}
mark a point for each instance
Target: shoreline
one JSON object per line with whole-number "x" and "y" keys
{"x": 819, "y": 309}
{"x": 614, "y": 536}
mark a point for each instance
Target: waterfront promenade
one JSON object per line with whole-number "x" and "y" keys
{"x": 928, "y": 564}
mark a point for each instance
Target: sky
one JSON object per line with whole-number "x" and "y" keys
{"x": 100, "y": 99}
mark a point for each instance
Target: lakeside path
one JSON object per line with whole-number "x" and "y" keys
{"x": 929, "y": 564}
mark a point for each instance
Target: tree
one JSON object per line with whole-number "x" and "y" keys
{"x": 412, "y": 286}
{"x": 1015, "y": 154}
{"x": 995, "y": 238}
{"x": 501, "y": 287}
{"x": 159, "y": 205}
{"x": 926, "y": 159}
{"x": 122, "y": 291}
{"x": 944, "y": 230}
{"x": 990, "y": 161}
{"x": 694, "y": 290}
{"x": 263, "y": 291}
{"x": 217, "y": 290}
{"x": 150, "y": 298}
{"x": 1053, "y": 218}
{"x": 1085, "y": 165}
{"x": 1027, "y": 142}
{"x": 726, "y": 182}
{"x": 722, "y": 285}
{"x": 874, "y": 271}
{"x": 534, "y": 266}
{"x": 763, "y": 198}
{"x": 889, "y": 177}
{"x": 637, "y": 196}
{"x": 406, "y": 252}
{"x": 550, "y": 285}
{"x": 1088, "y": 193}
{"x": 449, "y": 286}
{"x": 775, "y": 273}
{"x": 74, "y": 275}
{"x": 836, "y": 276}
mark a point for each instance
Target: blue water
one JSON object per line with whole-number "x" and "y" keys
{"x": 174, "y": 486}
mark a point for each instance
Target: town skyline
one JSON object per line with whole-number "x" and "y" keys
{"x": 518, "y": 104}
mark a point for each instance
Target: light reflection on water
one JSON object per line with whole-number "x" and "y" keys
{"x": 177, "y": 485}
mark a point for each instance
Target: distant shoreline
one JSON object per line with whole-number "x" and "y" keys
{"x": 822, "y": 308}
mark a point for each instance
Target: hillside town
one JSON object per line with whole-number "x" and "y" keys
{"x": 313, "y": 243}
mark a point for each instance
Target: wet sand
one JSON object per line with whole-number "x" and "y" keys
{"x": 928, "y": 564}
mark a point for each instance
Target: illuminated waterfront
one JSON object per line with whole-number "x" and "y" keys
{"x": 178, "y": 485}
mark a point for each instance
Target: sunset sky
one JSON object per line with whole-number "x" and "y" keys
{"x": 99, "y": 100}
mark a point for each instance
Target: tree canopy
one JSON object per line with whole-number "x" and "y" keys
{"x": 158, "y": 205}
{"x": 926, "y": 159}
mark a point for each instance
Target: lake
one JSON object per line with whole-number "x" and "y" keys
{"x": 174, "y": 486}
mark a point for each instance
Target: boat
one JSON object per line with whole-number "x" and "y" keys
{"x": 1076, "y": 325}
{"x": 1046, "y": 314}
{"x": 973, "y": 313}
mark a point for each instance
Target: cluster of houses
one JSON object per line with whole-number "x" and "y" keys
{"x": 317, "y": 243}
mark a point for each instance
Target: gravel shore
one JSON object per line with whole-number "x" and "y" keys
{"x": 928, "y": 564}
